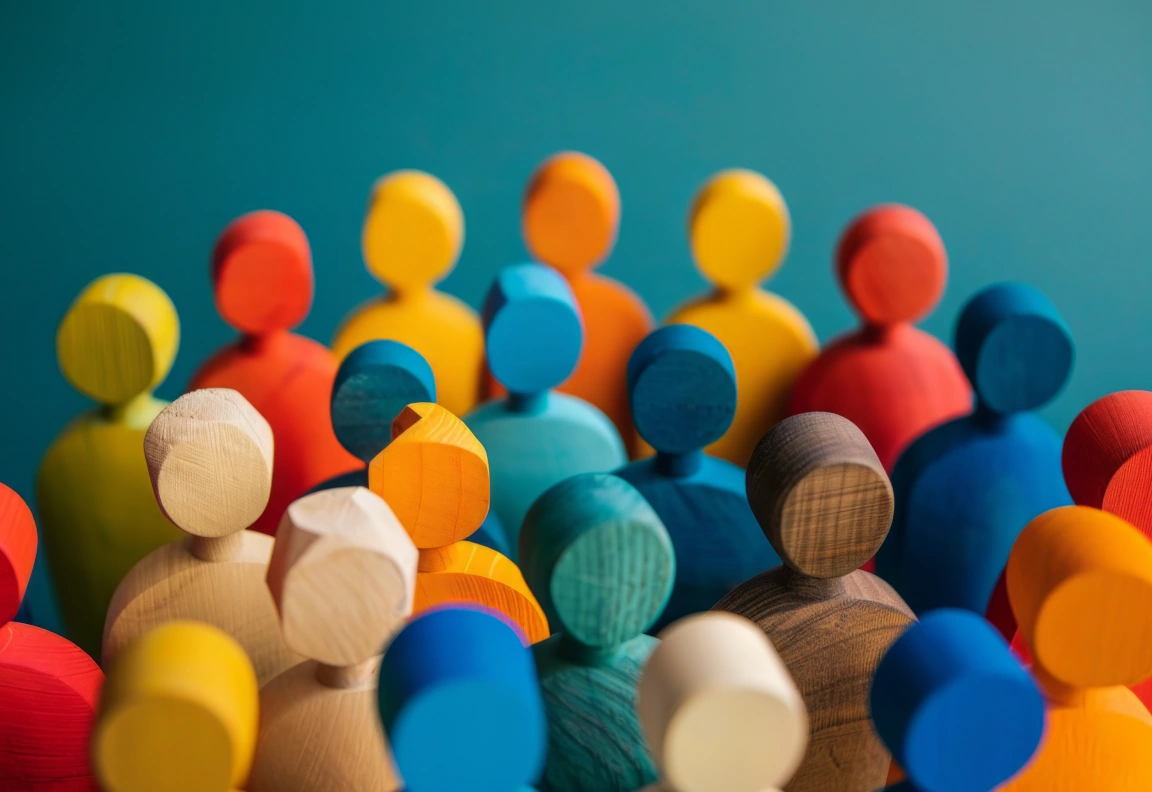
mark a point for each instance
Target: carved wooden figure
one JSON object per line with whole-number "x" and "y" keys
{"x": 342, "y": 575}
{"x": 97, "y": 512}
{"x": 824, "y": 502}
{"x": 683, "y": 393}
{"x": 210, "y": 458}
{"x": 262, "y": 275}
{"x": 602, "y": 565}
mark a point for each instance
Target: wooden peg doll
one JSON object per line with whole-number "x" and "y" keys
{"x": 434, "y": 476}
{"x": 460, "y": 703}
{"x": 719, "y": 709}
{"x": 892, "y": 380}
{"x": 602, "y": 565}
{"x": 413, "y": 233}
{"x": 97, "y": 513}
{"x": 739, "y": 229}
{"x": 342, "y": 575}
{"x": 48, "y": 686}
{"x": 209, "y": 454}
{"x": 683, "y": 393}
{"x": 178, "y": 713}
{"x": 536, "y": 437}
{"x": 824, "y": 502}
{"x": 966, "y": 489}
{"x": 262, "y": 274}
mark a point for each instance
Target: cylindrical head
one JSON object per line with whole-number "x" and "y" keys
{"x": 956, "y": 709}
{"x": 739, "y": 229}
{"x": 178, "y": 712}
{"x": 17, "y": 552}
{"x": 209, "y": 455}
{"x": 119, "y": 338}
{"x": 460, "y": 703}
{"x": 374, "y": 383}
{"x": 262, "y": 273}
{"x": 413, "y": 231}
{"x": 598, "y": 559}
{"x": 713, "y": 694}
{"x": 682, "y": 389}
{"x": 820, "y": 494}
{"x": 892, "y": 265}
{"x": 533, "y": 328}
{"x": 1014, "y": 347}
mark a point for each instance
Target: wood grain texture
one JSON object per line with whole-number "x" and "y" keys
{"x": 17, "y": 551}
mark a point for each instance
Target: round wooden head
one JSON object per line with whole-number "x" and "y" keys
{"x": 262, "y": 273}
{"x": 374, "y": 383}
{"x": 713, "y": 694}
{"x": 178, "y": 712}
{"x": 1014, "y": 347}
{"x": 1080, "y": 583}
{"x": 119, "y": 338}
{"x": 739, "y": 229}
{"x": 209, "y": 456}
{"x": 413, "y": 231}
{"x": 892, "y": 265}
{"x": 17, "y": 552}
{"x": 571, "y": 212}
{"x": 598, "y": 559}
{"x": 682, "y": 389}
{"x": 820, "y": 494}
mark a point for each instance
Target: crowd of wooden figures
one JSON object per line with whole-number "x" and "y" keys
{"x": 550, "y": 546}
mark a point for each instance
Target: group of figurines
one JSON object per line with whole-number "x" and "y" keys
{"x": 553, "y": 547}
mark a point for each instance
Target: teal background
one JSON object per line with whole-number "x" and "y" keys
{"x": 131, "y": 132}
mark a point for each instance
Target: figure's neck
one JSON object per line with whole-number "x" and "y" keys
{"x": 678, "y": 465}
{"x": 253, "y": 344}
{"x": 813, "y": 588}
{"x": 878, "y": 333}
{"x": 575, "y": 652}
{"x": 139, "y": 410}
{"x": 527, "y": 403}
{"x": 216, "y": 548}
{"x": 409, "y": 294}
{"x": 349, "y": 677}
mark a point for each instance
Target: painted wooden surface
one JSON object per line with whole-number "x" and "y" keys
{"x": 739, "y": 230}
{"x": 413, "y": 233}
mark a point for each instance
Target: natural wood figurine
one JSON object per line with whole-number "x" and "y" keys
{"x": 342, "y": 575}
{"x": 824, "y": 502}
{"x": 97, "y": 512}
{"x": 210, "y": 456}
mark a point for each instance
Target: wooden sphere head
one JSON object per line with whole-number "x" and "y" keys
{"x": 434, "y": 476}
{"x": 262, "y": 273}
{"x": 457, "y": 682}
{"x": 413, "y": 231}
{"x": 373, "y": 384}
{"x": 1080, "y": 583}
{"x": 342, "y": 574}
{"x": 739, "y": 229}
{"x": 571, "y": 212}
{"x": 533, "y": 328}
{"x": 1014, "y": 347}
{"x": 892, "y": 265}
{"x": 178, "y": 712}
{"x": 598, "y": 559}
{"x": 17, "y": 552}
{"x": 681, "y": 388}
{"x": 209, "y": 455}
{"x": 713, "y": 694}
{"x": 820, "y": 494}
{"x": 119, "y": 338}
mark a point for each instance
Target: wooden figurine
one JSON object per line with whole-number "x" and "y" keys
{"x": 824, "y": 502}
{"x": 892, "y": 380}
{"x": 966, "y": 489}
{"x": 460, "y": 704}
{"x": 48, "y": 686}
{"x": 97, "y": 511}
{"x": 434, "y": 476}
{"x": 954, "y": 706}
{"x": 536, "y": 437}
{"x": 262, "y": 271}
{"x": 602, "y": 565}
{"x": 178, "y": 713}
{"x": 209, "y": 454}
{"x": 342, "y": 575}
{"x": 719, "y": 709}
{"x": 740, "y": 230}
{"x": 413, "y": 233}
{"x": 683, "y": 393}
